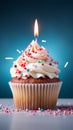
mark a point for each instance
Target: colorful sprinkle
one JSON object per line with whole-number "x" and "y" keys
{"x": 23, "y": 65}
{"x": 42, "y": 109}
{"x": 26, "y": 110}
{"x": 62, "y": 110}
{"x": 15, "y": 66}
{"x": 42, "y": 64}
{"x": 26, "y": 76}
{"x": 44, "y": 60}
{"x": 18, "y": 71}
{"x": 39, "y": 61}
{"x": 50, "y": 63}
{"x": 27, "y": 70}
{"x": 55, "y": 62}
{"x": 0, "y": 107}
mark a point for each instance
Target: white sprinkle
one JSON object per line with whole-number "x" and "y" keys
{"x": 18, "y": 51}
{"x": 9, "y": 58}
{"x": 43, "y": 40}
{"x": 66, "y": 64}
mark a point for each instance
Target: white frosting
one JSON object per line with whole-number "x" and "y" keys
{"x": 36, "y": 62}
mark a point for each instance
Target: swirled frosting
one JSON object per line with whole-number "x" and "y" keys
{"x": 36, "y": 62}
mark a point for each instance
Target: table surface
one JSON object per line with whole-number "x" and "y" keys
{"x": 37, "y": 121}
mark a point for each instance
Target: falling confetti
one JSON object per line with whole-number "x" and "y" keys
{"x": 43, "y": 40}
{"x": 9, "y": 58}
{"x": 18, "y": 51}
{"x": 66, "y": 64}
{"x": 22, "y": 51}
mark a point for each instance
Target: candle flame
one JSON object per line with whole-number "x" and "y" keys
{"x": 36, "y": 28}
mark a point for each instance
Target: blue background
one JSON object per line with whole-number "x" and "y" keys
{"x": 16, "y": 32}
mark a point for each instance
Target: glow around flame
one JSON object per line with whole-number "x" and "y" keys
{"x": 36, "y": 32}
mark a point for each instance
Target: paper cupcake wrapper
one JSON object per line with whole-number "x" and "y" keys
{"x": 34, "y": 96}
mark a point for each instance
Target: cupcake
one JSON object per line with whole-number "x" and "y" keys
{"x": 35, "y": 82}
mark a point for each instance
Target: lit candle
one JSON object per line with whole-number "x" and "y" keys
{"x": 36, "y": 32}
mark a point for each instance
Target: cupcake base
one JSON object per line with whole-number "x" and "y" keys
{"x": 34, "y": 96}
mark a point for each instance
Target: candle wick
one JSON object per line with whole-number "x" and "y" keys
{"x": 36, "y": 39}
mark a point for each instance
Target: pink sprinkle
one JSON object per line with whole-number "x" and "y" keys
{"x": 6, "y": 110}
{"x": 51, "y": 59}
{"x": 17, "y": 110}
{"x": 23, "y": 65}
{"x": 33, "y": 111}
{"x": 55, "y": 73}
{"x": 55, "y": 62}
{"x": 30, "y": 45}
{"x": 51, "y": 112}
{"x": 65, "y": 112}
{"x": 55, "y": 113}
{"x": 69, "y": 112}
{"x": 18, "y": 71}
{"x": 39, "y": 108}
{"x": 48, "y": 110}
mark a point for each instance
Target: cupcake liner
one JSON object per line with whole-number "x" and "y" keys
{"x": 34, "y": 96}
